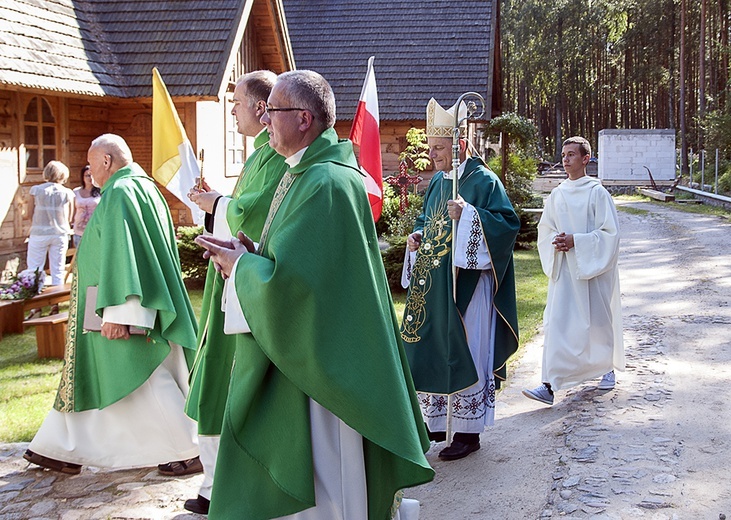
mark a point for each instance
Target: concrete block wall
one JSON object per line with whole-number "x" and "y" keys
{"x": 623, "y": 155}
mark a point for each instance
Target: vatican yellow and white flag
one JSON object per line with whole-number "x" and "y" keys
{"x": 173, "y": 161}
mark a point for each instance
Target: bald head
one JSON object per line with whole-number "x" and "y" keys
{"x": 107, "y": 154}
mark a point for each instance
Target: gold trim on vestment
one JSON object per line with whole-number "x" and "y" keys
{"x": 65, "y": 396}
{"x": 435, "y": 246}
{"x": 235, "y": 193}
{"x": 284, "y": 185}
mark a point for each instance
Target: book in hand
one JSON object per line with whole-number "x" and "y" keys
{"x": 92, "y": 321}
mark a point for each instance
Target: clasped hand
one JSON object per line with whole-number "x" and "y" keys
{"x": 563, "y": 242}
{"x": 224, "y": 253}
{"x": 203, "y": 196}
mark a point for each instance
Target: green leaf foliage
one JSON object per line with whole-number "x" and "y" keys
{"x": 393, "y": 262}
{"x": 192, "y": 263}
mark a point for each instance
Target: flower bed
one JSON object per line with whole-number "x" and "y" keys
{"x": 24, "y": 285}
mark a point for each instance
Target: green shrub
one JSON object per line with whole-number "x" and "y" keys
{"x": 416, "y": 158}
{"x": 192, "y": 264}
{"x": 393, "y": 261}
{"x": 392, "y": 221}
{"x": 519, "y": 187}
{"x": 724, "y": 181}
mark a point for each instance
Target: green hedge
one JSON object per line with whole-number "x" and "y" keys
{"x": 192, "y": 263}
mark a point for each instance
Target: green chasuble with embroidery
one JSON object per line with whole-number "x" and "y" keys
{"x": 432, "y": 328}
{"x": 128, "y": 249}
{"x": 323, "y": 327}
{"x": 246, "y": 212}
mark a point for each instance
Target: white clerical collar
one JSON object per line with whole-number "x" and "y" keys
{"x": 460, "y": 171}
{"x": 294, "y": 160}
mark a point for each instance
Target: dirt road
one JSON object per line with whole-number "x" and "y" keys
{"x": 659, "y": 445}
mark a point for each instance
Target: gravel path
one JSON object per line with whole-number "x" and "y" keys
{"x": 657, "y": 447}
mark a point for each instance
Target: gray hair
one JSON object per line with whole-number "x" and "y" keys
{"x": 307, "y": 89}
{"x": 584, "y": 146}
{"x": 115, "y": 146}
{"x": 258, "y": 85}
{"x": 56, "y": 171}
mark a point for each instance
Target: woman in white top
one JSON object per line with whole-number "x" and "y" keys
{"x": 87, "y": 199}
{"x": 52, "y": 205}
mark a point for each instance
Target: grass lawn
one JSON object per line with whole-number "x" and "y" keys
{"x": 28, "y": 385}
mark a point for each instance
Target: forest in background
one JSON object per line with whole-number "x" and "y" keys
{"x": 575, "y": 67}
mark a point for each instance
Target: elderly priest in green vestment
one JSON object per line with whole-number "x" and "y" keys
{"x": 124, "y": 379}
{"x": 460, "y": 346}
{"x": 322, "y": 420}
{"x": 244, "y": 211}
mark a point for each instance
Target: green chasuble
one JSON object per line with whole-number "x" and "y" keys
{"x": 128, "y": 249}
{"x": 432, "y": 328}
{"x": 323, "y": 327}
{"x": 246, "y": 212}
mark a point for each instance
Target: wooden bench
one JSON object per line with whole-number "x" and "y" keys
{"x": 50, "y": 295}
{"x": 11, "y": 317}
{"x": 657, "y": 195}
{"x": 50, "y": 334}
{"x": 12, "y": 312}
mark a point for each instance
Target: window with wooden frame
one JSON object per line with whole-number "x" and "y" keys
{"x": 236, "y": 144}
{"x": 39, "y": 134}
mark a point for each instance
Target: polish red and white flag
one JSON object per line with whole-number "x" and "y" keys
{"x": 365, "y": 133}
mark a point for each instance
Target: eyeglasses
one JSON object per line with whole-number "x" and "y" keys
{"x": 269, "y": 109}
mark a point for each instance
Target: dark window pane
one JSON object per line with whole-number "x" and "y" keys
{"x": 49, "y": 154}
{"x": 47, "y": 114}
{"x": 31, "y": 160}
{"x": 31, "y": 113}
{"x": 31, "y": 134}
{"x": 49, "y": 136}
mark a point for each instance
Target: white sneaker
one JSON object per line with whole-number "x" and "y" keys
{"x": 539, "y": 394}
{"x": 607, "y": 382}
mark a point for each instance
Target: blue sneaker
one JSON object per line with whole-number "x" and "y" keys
{"x": 541, "y": 394}
{"x": 607, "y": 382}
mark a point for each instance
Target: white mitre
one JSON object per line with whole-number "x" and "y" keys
{"x": 440, "y": 122}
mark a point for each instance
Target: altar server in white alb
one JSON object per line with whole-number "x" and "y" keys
{"x": 578, "y": 242}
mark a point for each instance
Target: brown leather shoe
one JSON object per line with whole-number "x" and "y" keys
{"x": 49, "y": 463}
{"x": 181, "y": 467}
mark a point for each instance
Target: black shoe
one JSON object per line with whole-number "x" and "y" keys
{"x": 197, "y": 505}
{"x": 458, "y": 450}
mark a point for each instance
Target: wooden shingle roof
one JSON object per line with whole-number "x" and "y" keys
{"x": 427, "y": 49}
{"x": 108, "y": 47}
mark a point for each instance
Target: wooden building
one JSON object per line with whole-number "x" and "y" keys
{"x": 71, "y": 70}
{"x": 437, "y": 49}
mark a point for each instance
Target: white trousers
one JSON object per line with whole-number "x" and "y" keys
{"x": 55, "y": 247}
{"x": 340, "y": 485}
{"x": 339, "y": 466}
{"x": 208, "y": 445}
